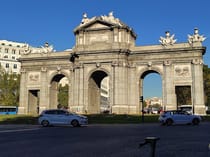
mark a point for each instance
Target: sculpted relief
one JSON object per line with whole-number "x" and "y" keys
{"x": 109, "y": 18}
{"x": 43, "y": 49}
{"x": 168, "y": 39}
{"x": 195, "y": 37}
{"x": 182, "y": 70}
{"x": 34, "y": 77}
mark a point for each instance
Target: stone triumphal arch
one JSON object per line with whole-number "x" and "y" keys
{"x": 105, "y": 47}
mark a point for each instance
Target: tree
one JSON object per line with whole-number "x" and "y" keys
{"x": 206, "y": 80}
{"x": 183, "y": 94}
{"x": 9, "y": 88}
{"x": 63, "y": 96}
{"x": 144, "y": 103}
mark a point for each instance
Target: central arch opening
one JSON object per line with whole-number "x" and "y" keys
{"x": 151, "y": 90}
{"x": 98, "y": 90}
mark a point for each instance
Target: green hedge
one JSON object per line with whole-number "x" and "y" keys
{"x": 18, "y": 119}
{"x": 93, "y": 119}
{"x": 120, "y": 119}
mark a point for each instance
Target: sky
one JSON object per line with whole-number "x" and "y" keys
{"x": 38, "y": 21}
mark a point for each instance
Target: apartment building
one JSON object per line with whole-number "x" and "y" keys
{"x": 9, "y": 53}
{"x": 154, "y": 101}
{"x": 105, "y": 102}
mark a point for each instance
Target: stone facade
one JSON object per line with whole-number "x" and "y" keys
{"x": 105, "y": 46}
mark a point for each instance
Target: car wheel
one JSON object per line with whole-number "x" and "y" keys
{"x": 74, "y": 123}
{"x": 45, "y": 123}
{"x": 169, "y": 122}
{"x": 196, "y": 121}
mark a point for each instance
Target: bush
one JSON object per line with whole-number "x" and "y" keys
{"x": 120, "y": 119}
{"x": 18, "y": 119}
{"x": 92, "y": 118}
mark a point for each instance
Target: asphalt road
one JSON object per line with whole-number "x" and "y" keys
{"x": 104, "y": 141}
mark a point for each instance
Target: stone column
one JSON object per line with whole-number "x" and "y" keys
{"x": 197, "y": 87}
{"x": 44, "y": 91}
{"x": 169, "y": 99}
{"x": 23, "y": 102}
{"x": 78, "y": 89}
{"x": 80, "y": 108}
{"x": 71, "y": 89}
{"x": 120, "y": 92}
{"x": 111, "y": 86}
{"x": 133, "y": 97}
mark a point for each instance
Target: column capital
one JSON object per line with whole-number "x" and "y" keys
{"x": 43, "y": 69}
{"x": 167, "y": 63}
{"x": 197, "y": 61}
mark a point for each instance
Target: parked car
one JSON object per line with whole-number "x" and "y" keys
{"x": 146, "y": 110}
{"x": 154, "y": 110}
{"x": 61, "y": 117}
{"x": 178, "y": 117}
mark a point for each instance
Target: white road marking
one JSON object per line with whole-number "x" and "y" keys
{"x": 18, "y": 130}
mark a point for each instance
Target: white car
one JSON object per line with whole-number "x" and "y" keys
{"x": 61, "y": 117}
{"x": 154, "y": 110}
{"x": 187, "y": 108}
{"x": 178, "y": 117}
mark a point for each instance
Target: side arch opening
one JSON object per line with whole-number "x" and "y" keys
{"x": 98, "y": 93}
{"x": 59, "y": 88}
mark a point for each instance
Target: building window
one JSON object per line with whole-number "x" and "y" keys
{"x": 7, "y": 65}
{"x": 13, "y": 51}
{"x": 6, "y": 50}
{"x": 13, "y": 57}
{"x": 5, "y": 56}
{"x": 15, "y": 66}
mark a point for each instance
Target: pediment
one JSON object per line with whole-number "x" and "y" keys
{"x": 103, "y": 22}
{"x": 95, "y": 24}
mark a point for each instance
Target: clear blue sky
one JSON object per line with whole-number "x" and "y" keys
{"x": 38, "y": 21}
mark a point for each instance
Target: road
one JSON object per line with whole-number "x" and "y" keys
{"x": 118, "y": 140}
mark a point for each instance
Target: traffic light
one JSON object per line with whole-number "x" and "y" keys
{"x": 141, "y": 99}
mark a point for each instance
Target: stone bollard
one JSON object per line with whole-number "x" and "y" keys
{"x": 152, "y": 141}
